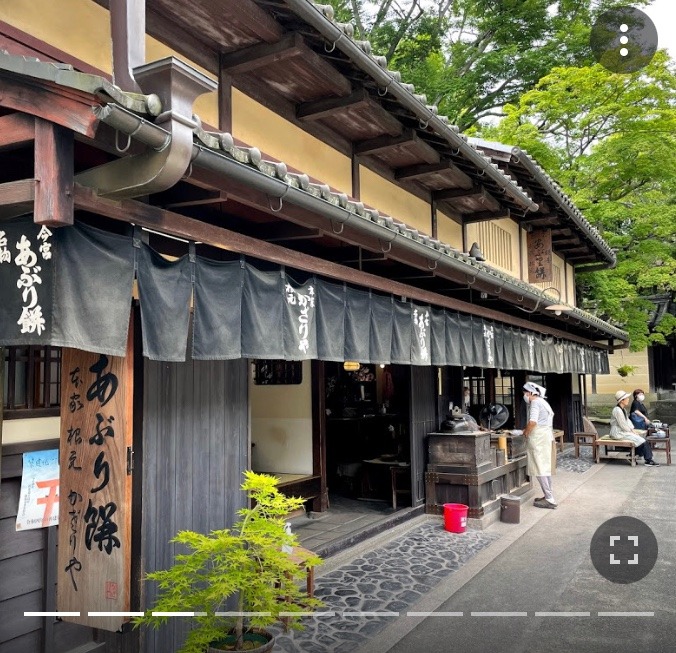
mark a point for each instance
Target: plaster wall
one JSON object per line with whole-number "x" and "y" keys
{"x": 281, "y": 426}
{"x": 570, "y": 285}
{"x": 258, "y": 126}
{"x": 388, "y": 198}
{"x": 29, "y": 430}
{"x": 449, "y": 231}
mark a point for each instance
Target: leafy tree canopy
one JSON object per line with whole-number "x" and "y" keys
{"x": 471, "y": 57}
{"x": 610, "y": 140}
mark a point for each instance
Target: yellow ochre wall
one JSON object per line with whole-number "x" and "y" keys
{"x": 449, "y": 231}
{"x": 570, "y": 283}
{"x": 394, "y": 201}
{"x": 254, "y": 124}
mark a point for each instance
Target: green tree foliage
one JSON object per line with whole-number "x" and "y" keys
{"x": 247, "y": 561}
{"x": 610, "y": 140}
{"x": 470, "y": 57}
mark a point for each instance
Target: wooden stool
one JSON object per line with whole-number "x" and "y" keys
{"x": 558, "y": 437}
{"x": 583, "y": 440}
{"x": 396, "y": 472}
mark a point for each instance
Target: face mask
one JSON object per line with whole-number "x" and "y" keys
{"x": 526, "y": 398}
{"x": 640, "y": 397}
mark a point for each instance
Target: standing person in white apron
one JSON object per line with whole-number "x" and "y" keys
{"x": 539, "y": 436}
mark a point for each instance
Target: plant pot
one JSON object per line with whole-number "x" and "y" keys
{"x": 256, "y": 640}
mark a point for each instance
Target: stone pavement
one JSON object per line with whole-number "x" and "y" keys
{"x": 419, "y": 588}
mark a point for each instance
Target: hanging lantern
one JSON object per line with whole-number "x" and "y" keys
{"x": 351, "y": 366}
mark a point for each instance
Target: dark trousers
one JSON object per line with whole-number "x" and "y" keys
{"x": 645, "y": 450}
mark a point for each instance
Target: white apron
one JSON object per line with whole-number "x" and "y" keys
{"x": 539, "y": 447}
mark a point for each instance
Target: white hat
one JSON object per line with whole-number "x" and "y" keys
{"x": 620, "y": 395}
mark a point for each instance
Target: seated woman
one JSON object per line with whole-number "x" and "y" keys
{"x": 638, "y": 413}
{"x": 621, "y": 428}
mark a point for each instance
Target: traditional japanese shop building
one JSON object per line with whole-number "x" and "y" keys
{"x": 196, "y": 251}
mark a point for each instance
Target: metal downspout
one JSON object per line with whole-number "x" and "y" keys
{"x": 161, "y": 167}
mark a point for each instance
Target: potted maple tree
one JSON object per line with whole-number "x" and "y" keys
{"x": 250, "y": 562}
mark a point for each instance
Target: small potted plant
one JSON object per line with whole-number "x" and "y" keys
{"x": 251, "y": 562}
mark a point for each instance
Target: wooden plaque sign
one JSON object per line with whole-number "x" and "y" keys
{"x": 94, "y": 554}
{"x": 539, "y": 244}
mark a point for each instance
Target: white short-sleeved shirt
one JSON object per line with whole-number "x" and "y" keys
{"x": 540, "y": 412}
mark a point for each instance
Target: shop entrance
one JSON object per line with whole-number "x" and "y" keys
{"x": 368, "y": 457}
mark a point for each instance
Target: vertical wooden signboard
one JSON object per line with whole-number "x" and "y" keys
{"x": 540, "y": 256}
{"x": 94, "y": 555}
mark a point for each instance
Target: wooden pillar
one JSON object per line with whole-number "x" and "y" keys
{"x": 54, "y": 147}
{"x": 224, "y": 99}
{"x": 318, "y": 382}
{"x": 356, "y": 180}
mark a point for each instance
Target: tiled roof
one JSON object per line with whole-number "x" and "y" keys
{"x": 522, "y": 157}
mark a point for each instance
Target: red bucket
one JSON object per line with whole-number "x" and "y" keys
{"x": 455, "y": 517}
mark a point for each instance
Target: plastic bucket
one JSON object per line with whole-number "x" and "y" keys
{"x": 455, "y": 517}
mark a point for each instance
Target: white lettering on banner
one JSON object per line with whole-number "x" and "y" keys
{"x": 489, "y": 337}
{"x": 46, "y": 247}
{"x": 583, "y": 360}
{"x": 31, "y": 319}
{"x": 421, "y": 321}
{"x": 5, "y": 254}
{"x": 559, "y": 356}
{"x": 531, "y": 351}
{"x": 305, "y": 303}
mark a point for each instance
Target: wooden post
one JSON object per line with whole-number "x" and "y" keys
{"x": 54, "y": 203}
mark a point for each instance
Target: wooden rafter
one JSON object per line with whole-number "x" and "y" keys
{"x": 453, "y": 193}
{"x": 327, "y": 106}
{"x": 483, "y": 216}
{"x": 283, "y": 231}
{"x": 541, "y": 221}
{"x": 425, "y": 169}
{"x": 382, "y": 143}
{"x": 262, "y": 54}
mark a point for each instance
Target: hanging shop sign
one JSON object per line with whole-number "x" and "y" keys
{"x": 540, "y": 256}
{"x": 94, "y": 552}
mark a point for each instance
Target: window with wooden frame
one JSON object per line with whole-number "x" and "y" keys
{"x": 32, "y": 382}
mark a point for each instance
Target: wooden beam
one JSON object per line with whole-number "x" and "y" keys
{"x": 575, "y": 250}
{"x": 565, "y": 241}
{"x": 208, "y": 197}
{"x": 262, "y": 54}
{"x": 16, "y": 198}
{"x": 543, "y": 221}
{"x": 54, "y": 148}
{"x": 286, "y": 231}
{"x": 195, "y": 230}
{"x": 454, "y": 193}
{"x": 423, "y": 170}
{"x": 16, "y": 130}
{"x": 325, "y": 107}
{"x": 483, "y": 216}
{"x": 382, "y": 143}
{"x": 49, "y": 104}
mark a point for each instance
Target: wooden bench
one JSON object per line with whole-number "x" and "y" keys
{"x": 604, "y": 443}
{"x": 559, "y": 436}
